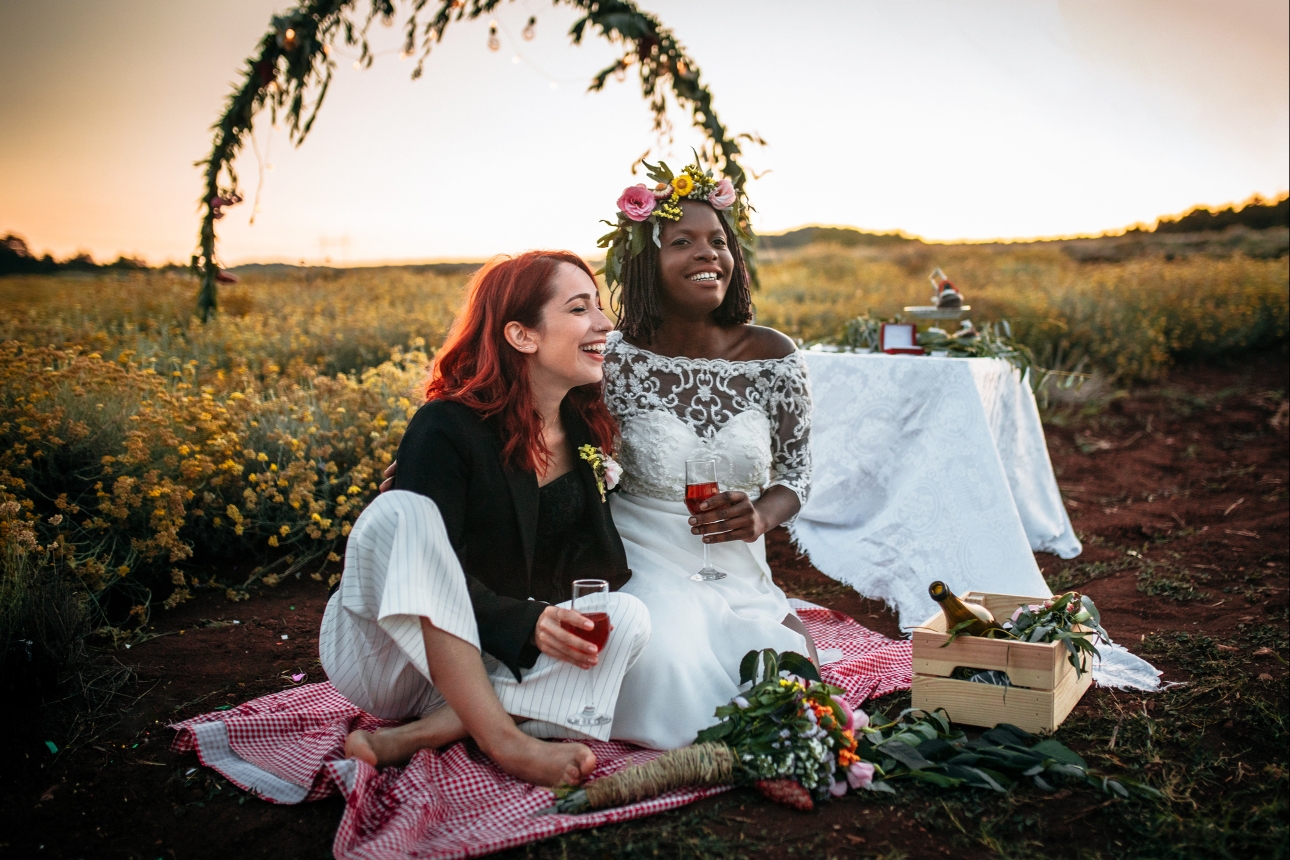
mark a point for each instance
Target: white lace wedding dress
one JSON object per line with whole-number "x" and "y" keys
{"x": 754, "y": 418}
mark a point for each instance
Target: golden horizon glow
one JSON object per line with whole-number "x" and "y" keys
{"x": 984, "y": 121}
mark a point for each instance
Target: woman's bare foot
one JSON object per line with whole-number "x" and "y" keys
{"x": 396, "y": 746}
{"x": 543, "y": 763}
{"x": 359, "y": 746}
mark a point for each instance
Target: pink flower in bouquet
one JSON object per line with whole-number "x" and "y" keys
{"x": 1032, "y": 608}
{"x": 860, "y": 721}
{"x": 860, "y": 774}
{"x": 637, "y": 203}
{"x": 837, "y": 789}
{"x": 723, "y": 196}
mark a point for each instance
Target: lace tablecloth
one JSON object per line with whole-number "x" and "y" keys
{"x": 928, "y": 468}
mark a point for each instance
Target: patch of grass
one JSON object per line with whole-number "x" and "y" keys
{"x": 1160, "y": 579}
{"x": 1077, "y": 575}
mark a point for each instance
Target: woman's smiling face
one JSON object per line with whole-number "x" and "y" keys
{"x": 694, "y": 262}
{"x": 567, "y": 348}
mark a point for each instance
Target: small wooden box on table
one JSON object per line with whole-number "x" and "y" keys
{"x": 1045, "y": 688}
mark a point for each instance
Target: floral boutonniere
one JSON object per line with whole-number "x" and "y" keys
{"x": 605, "y": 468}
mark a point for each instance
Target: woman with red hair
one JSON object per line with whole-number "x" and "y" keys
{"x": 449, "y": 610}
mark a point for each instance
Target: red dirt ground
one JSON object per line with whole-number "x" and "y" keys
{"x": 1191, "y": 475}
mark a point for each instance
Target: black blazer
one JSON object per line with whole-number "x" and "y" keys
{"x": 452, "y": 456}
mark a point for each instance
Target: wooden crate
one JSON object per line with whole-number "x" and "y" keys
{"x": 1045, "y": 688}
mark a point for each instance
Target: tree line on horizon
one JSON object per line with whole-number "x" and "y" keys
{"x": 17, "y": 258}
{"x": 1255, "y": 214}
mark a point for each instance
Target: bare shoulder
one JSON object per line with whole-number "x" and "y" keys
{"x": 759, "y": 343}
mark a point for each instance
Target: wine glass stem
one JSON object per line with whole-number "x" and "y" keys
{"x": 705, "y": 553}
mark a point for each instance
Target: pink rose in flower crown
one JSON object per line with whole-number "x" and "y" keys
{"x": 723, "y": 196}
{"x": 860, "y": 774}
{"x": 637, "y": 202}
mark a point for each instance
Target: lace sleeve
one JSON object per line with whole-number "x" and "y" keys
{"x": 789, "y": 411}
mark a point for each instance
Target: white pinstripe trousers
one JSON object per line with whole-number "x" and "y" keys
{"x": 400, "y": 568}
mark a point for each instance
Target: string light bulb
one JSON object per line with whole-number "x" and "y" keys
{"x": 530, "y": 29}
{"x": 289, "y": 39}
{"x": 620, "y": 73}
{"x": 494, "y": 43}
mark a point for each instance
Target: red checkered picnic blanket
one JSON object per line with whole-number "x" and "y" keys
{"x": 288, "y": 747}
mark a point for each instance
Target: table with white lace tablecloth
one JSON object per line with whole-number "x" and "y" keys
{"x": 928, "y": 468}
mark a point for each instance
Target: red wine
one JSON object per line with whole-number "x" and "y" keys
{"x": 597, "y": 635}
{"x": 697, "y": 494}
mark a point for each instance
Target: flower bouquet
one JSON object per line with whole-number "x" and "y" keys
{"x": 797, "y": 741}
{"x": 791, "y": 736}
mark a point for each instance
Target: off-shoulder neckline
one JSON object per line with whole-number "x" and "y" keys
{"x": 616, "y": 338}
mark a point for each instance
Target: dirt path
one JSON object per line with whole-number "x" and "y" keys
{"x": 1179, "y": 493}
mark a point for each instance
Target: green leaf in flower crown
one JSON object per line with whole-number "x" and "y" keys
{"x": 798, "y": 665}
{"x": 638, "y": 237}
{"x": 658, "y": 172}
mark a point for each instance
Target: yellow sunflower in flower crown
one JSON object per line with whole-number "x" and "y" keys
{"x": 683, "y": 185}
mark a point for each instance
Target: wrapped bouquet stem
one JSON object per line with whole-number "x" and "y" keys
{"x": 696, "y": 766}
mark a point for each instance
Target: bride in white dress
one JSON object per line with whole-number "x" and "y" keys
{"x": 686, "y": 374}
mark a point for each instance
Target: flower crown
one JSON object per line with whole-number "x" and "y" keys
{"x": 642, "y": 210}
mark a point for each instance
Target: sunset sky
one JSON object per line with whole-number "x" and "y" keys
{"x": 948, "y": 119}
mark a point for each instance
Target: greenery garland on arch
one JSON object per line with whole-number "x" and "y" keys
{"x": 293, "y": 67}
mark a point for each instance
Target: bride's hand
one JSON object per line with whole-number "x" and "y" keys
{"x": 554, "y": 641}
{"x": 728, "y": 516}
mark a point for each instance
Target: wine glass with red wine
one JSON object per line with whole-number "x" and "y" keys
{"x": 701, "y": 485}
{"x": 590, "y": 597}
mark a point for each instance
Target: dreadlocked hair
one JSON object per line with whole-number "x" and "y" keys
{"x": 640, "y": 312}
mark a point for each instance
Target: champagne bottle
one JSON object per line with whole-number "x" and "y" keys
{"x": 956, "y": 612}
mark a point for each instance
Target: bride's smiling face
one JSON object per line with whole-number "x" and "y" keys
{"x": 694, "y": 262}
{"x": 567, "y": 347}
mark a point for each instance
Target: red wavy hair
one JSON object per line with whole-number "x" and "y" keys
{"x": 478, "y": 368}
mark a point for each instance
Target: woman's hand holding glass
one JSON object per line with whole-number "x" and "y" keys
{"x": 552, "y": 639}
{"x": 728, "y": 516}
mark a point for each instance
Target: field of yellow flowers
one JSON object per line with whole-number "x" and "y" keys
{"x": 141, "y": 453}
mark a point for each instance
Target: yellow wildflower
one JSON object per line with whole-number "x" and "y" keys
{"x": 683, "y": 185}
